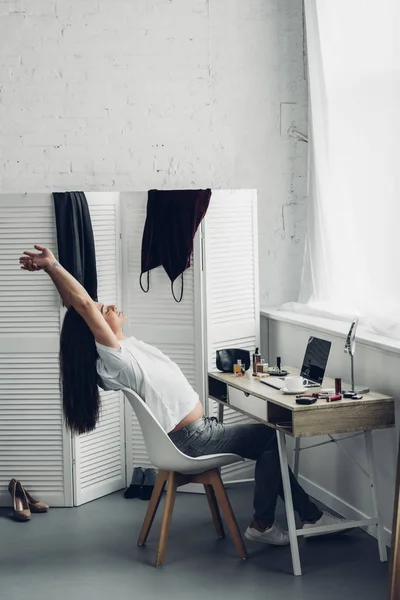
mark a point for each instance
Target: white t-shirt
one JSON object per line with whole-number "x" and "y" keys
{"x": 151, "y": 374}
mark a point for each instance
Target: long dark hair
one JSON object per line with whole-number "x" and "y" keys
{"x": 79, "y": 379}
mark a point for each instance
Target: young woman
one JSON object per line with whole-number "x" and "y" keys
{"x": 94, "y": 352}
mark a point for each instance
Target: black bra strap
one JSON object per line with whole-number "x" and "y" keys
{"x": 172, "y": 286}
{"x": 172, "y": 289}
{"x": 148, "y": 281}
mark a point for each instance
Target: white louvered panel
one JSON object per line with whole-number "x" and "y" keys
{"x": 100, "y": 454}
{"x": 155, "y": 317}
{"x": 31, "y": 437}
{"x": 231, "y": 272}
{"x": 104, "y": 222}
{"x": 231, "y": 268}
{"x": 28, "y": 301}
{"x": 101, "y": 449}
{"x": 231, "y": 280}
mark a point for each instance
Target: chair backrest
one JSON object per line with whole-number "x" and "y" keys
{"x": 163, "y": 453}
{"x": 161, "y": 450}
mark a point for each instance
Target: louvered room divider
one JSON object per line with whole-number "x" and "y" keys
{"x": 220, "y": 309}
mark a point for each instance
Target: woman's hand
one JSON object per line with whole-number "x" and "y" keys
{"x": 65, "y": 283}
{"x": 36, "y": 261}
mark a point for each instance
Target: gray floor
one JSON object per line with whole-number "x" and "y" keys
{"x": 90, "y": 552}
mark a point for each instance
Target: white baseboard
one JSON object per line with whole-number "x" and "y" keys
{"x": 341, "y": 507}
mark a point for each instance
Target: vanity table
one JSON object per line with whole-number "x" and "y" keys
{"x": 268, "y": 405}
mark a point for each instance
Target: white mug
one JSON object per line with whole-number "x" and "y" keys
{"x": 295, "y": 383}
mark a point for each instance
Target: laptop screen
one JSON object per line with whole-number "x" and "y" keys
{"x": 315, "y": 359}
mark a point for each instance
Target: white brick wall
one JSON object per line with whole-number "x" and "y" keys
{"x": 138, "y": 94}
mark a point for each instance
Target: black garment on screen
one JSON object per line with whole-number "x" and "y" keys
{"x": 76, "y": 249}
{"x": 173, "y": 217}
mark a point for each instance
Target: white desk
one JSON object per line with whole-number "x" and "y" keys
{"x": 268, "y": 405}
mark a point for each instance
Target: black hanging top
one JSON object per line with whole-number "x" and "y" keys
{"x": 172, "y": 220}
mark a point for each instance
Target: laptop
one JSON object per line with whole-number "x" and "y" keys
{"x": 313, "y": 367}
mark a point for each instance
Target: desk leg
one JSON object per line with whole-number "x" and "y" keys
{"x": 294, "y": 547}
{"x": 373, "y": 483}
{"x": 296, "y": 457}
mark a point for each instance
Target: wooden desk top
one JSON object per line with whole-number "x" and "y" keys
{"x": 252, "y": 385}
{"x": 260, "y": 401}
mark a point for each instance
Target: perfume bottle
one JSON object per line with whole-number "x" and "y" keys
{"x": 238, "y": 368}
{"x": 256, "y": 361}
{"x": 262, "y": 368}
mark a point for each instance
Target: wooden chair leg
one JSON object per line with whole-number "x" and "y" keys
{"x": 168, "y": 508}
{"x": 213, "y": 504}
{"x": 225, "y": 505}
{"x": 154, "y": 502}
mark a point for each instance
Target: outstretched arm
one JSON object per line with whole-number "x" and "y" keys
{"x": 72, "y": 293}
{"x": 67, "y": 286}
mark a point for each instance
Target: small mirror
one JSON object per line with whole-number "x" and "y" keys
{"x": 350, "y": 345}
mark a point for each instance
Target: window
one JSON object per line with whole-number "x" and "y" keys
{"x": 352, "y": 260}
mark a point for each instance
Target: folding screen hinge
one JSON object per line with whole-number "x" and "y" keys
{"x": 202, "y": 250}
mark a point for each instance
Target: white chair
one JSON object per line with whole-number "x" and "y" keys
{"x": 176, "y": 469}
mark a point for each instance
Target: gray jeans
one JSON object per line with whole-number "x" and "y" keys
{"x": 256, "y": 442}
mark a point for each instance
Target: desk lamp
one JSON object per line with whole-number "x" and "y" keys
{"x": 349, "y": 348}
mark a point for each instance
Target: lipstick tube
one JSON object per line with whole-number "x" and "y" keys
{"x": 334, "y": 398}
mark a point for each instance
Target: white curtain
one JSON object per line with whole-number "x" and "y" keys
{"x": 352, "y": 262}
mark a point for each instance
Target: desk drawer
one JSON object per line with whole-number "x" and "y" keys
{"x": 251, "y": 405}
